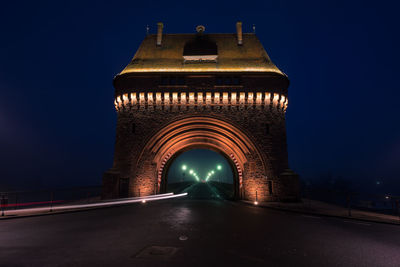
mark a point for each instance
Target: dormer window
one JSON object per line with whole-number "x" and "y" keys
{"x": 201, "y": 49}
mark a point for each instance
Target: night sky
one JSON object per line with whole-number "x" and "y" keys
{"x": 58, "y": 59}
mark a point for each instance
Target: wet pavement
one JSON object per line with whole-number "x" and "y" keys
{"x": 195, "y": 232}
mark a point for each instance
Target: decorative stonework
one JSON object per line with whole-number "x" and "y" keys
{"x": 184, "y": 100}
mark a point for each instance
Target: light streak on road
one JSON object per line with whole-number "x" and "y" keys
{"x": 95, "y": 205}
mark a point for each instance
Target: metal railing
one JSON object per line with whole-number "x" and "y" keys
{"x": 378, "y": 203}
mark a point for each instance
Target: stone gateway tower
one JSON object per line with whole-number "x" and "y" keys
{"x": 199, "y": 90}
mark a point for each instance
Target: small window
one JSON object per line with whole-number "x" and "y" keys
{"x": 235, "y": 80}
{"x": 172, "y": 81}
{"x": 219, "y": 81}
{"x": 228, "y": 80}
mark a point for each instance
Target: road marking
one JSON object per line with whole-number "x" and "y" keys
{"x": 360, "y": 223}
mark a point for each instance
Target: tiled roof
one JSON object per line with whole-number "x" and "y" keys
{"x": 232, "y": 57}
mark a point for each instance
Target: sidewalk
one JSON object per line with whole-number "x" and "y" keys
{"x": 314, "y": 207}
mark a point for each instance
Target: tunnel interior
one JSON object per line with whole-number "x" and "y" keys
{"x": 202, "y": 173}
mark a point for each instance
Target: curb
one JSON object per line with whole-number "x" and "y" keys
{"x": 321, "y": 214}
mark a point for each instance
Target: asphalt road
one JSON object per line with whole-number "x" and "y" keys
{"x": 195, "y": 232}
{"x": 202, "y": 191}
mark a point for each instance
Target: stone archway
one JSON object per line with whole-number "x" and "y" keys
{"x": 201, "y": 131}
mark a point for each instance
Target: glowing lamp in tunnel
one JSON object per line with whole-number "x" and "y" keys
{"x": 191, "y": 171}
{"x": 184, "y": 167}
{"x": 219, "y": 167}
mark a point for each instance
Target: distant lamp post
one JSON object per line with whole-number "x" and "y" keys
{"x": 219, "y": 167}
{"x": 184, "y": 167}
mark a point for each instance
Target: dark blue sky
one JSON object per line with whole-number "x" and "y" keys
{"x": 57, "y": 61}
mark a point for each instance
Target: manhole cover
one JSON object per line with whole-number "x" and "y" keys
{"x": 183, "y": 238}
{"x": 157, "y": 252}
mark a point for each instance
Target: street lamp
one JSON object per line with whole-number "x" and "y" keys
{"x": 184, "y": 167}
{"x": 219, "y": 167}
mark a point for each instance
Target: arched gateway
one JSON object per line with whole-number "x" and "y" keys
{"x": 214, "y": 91}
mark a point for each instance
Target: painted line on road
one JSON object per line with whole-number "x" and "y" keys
{"x": 360, "y": 223}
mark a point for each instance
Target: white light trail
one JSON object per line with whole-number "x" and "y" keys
{"x": 95, "y": 205}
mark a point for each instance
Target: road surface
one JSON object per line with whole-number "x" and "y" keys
{"x": 195, "y": 232}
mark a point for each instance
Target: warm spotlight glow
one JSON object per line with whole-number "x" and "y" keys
{"x": 255, "y": 202}
{"x": 133, "y": 98}
{"x": 267, "y": 98}
{"x": 216, "y": 97}
{"x": 191, "y": 97}
{"x": 225, "y": 97}
{"x": 175, "y": 97}
{"x": 199, "y": 98}
{"x": 258, "y": 97}
{"x": 144, "y": 201}
{"x": 242, "y": 97}
{"x": 233, "y": 98}
{"x": 208, "y": 97}
{"x": 250, "y": 97}
{"x": 276, "y": 98}
{"x": 166, "y": 98}
{"x": 125, "y": 98}
{"x": 209, "y": 69}
{"x": 183, "y": 98}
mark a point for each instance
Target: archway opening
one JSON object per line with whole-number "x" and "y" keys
{"x": 202, "y": 173}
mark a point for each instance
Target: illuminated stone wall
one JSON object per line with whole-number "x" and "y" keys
{"x": 248, "y": 127}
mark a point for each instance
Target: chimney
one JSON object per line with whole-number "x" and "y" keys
{"x": 160, "y": 26}
{"x": 239, "y": 32}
